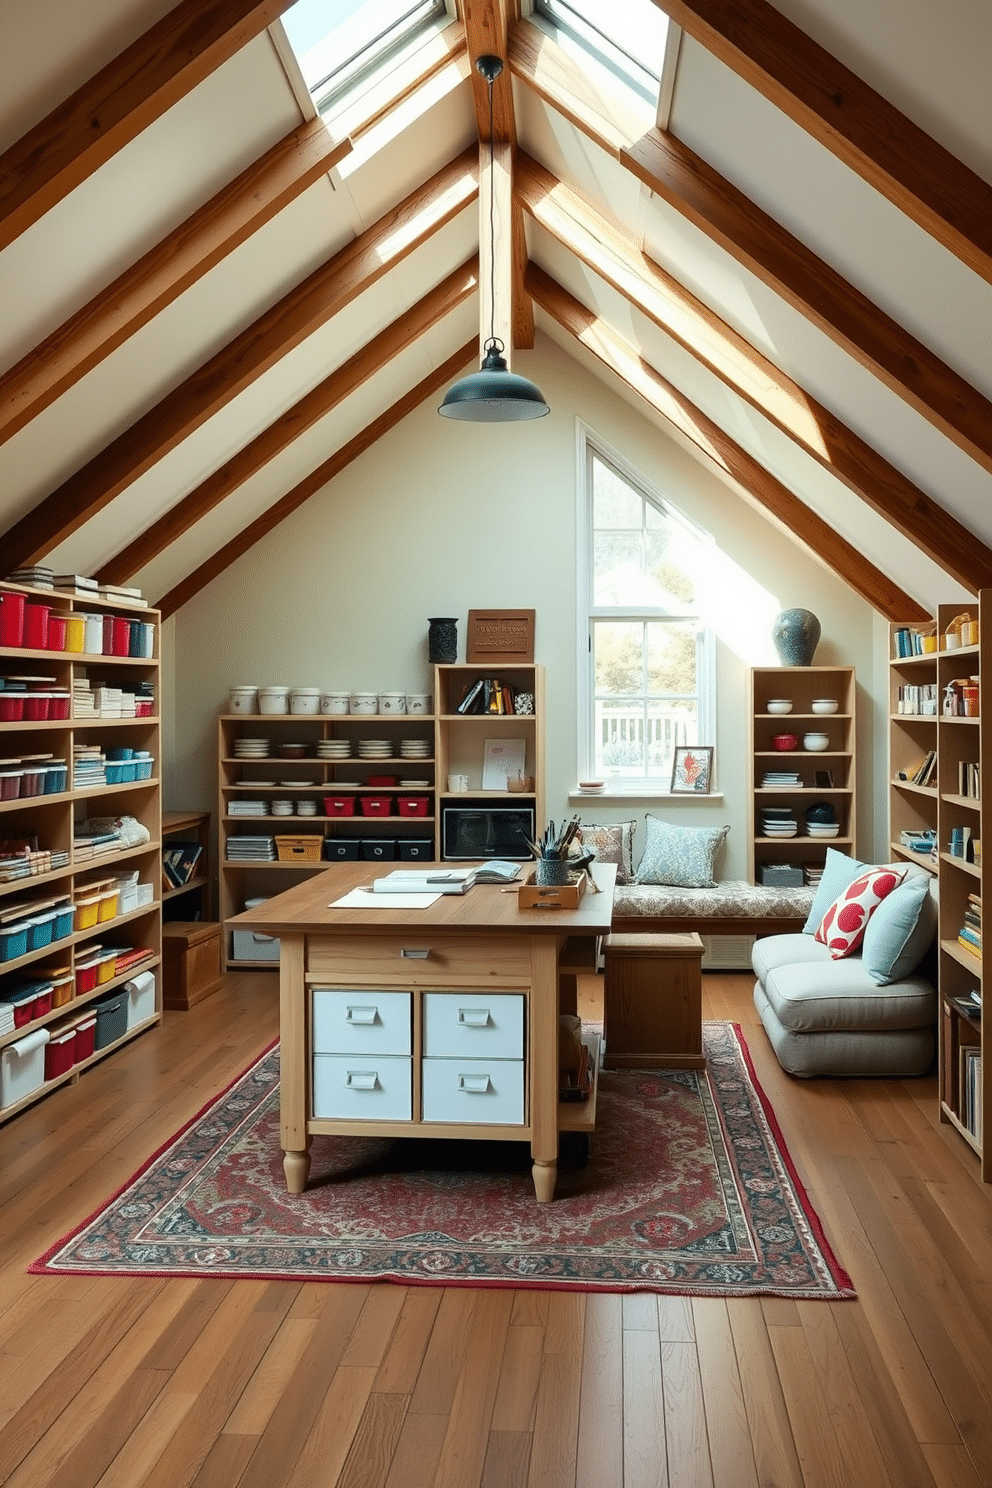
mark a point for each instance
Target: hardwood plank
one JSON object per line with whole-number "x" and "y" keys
{"x": 122, "y": 99}
{"x": 601, "y": 1421}
{"x": 775, "y": 1456}
{"x": 507, "y": 1460}
{"x": 519, "y": 1375}
{"x": 645, "y": 1449}
{"x": 675, "y": 1324}
{"x": 449, "y": 1340}
{"x": 952, "y": 1467}
{"x": 374, "y": 1443}
{"x": 812, "y": 1421}
{"x": 417, "y": 1452}
{"x": 401, "y": 1363}
{"x": 326, "y": 1444}
{"x": 276, "y": 1368}
{"x": 555, "y": 1437}
{"x": 374, "y": 1328}
{"x": 731, "y": 1453}
{"x": 685, "y": 1418}
{"x": 838, "y": 109}
{"x": 464, "y": 1451}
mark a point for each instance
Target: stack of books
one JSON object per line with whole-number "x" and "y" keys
{"x": 970, "y": 934}
{"x": 179, "y": 860}
{"x": 122, "y": 592}
{"x": 88, "y": 766}
{"x": 251, "y": 849}
{"x": 35, "y": 574}
{"x": 79, "y": 584}
{"x": 487, "y": 695}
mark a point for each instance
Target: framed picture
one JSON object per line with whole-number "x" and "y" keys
{"x": 823, "y": 779}
{"x": 692, "y": 769}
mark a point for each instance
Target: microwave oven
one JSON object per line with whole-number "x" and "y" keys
{"x": 487, "y": 831}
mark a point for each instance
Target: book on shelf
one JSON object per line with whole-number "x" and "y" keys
{"x": 971, "y": 939}
{"x": 576, "y": 1085}
{"x": 179, "y": 860}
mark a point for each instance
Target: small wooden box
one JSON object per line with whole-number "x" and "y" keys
{"x": 532, "y": 895}
{"x": 652, "y": 1001}
{"x": 191, "y": 963}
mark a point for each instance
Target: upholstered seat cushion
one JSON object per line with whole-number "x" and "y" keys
{"x": 730, "y": 898}
{"x": 811, "y": 998}
{"x": 849, "y": 1053}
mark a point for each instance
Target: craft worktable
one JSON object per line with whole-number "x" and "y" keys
{"x": 447, "y": 970}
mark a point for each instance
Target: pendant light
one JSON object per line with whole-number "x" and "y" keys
{"x": 494, "y": 394}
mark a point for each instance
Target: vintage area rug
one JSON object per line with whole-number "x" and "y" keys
{"x": 688, "y": 1189}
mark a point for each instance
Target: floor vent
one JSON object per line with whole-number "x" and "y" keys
{"x": 727, "y": 952}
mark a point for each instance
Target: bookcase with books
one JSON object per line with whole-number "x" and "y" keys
{"x": 913, "y": 710}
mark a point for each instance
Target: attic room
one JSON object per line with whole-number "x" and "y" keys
{"x": 742, "y": 250}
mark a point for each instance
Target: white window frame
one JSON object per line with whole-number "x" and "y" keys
{"x": 589, "y": 445}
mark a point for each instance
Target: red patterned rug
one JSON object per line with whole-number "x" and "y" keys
{"x": 688, "y": 1188}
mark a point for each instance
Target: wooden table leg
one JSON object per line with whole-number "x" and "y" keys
{"x": 294, "y": 1060}
{"x": 296, "y": 1166}
{"x": 543, "y": 1058}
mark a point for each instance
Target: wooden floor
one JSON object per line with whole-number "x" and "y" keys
{"x": 160, "y": 1384}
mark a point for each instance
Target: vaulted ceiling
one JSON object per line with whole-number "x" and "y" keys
{"x": 212, "y": 302}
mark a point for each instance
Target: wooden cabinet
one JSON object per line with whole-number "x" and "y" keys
{"x": 786, "y": 782}
{"x": 79, "y": 754}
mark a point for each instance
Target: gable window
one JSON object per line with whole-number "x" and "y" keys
{"x": 646, "y": 682}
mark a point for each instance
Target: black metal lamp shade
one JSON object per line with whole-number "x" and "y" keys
{"x": 493, "y": 395}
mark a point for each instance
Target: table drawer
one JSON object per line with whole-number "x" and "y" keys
{"x": 349, "y": 1087}
{"x": 474, "y": 1025}
{"x": 474, "y": 1091}
{"x": 421, "y": 955}
{"x": 365, "y": 1021}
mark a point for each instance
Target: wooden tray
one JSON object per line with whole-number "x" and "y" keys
{"x": 532, "y": 895}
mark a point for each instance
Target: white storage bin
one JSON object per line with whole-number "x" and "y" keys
{"x": 273, "y": 699}
{"x": 474, "y": 1025}
{"x": 360, "y": 1087}
{"x": 22, "y": 1067}
{"x": 469, "y": 1091}
{"x": 365, "y": 1021}
{"x": 252, "y": 945}
{"x": 304, "y": 700}
{"x": 243, "y": 700}
{"x": 140, "y": 998}
{"x": 335, "y": 702}
{"x": 93, "y": 640}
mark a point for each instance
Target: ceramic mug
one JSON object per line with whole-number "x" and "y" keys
{"x": 458, "y": 784}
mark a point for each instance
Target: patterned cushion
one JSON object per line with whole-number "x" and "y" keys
{"x": 900, "y": 932}
{"x": 681, "y": 856}
{"x": 612, "y": 842}
{"x": 843, "y": 926}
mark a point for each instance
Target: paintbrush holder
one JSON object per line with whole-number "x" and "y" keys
{"x": 552, "y": 872}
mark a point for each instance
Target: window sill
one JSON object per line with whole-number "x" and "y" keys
{"x": 642, "y": 793}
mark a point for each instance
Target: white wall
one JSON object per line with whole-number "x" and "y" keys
{"x": 440, "y": 518}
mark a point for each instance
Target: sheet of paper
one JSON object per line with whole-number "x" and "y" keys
{"x": 366, "y": 899}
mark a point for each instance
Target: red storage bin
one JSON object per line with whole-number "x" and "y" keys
{"x": 11, "y": 619}
{"x": 58, "y": 705}
{"x": 55, "y": 640}
{"x": 60, "y": 1053}
{"x": 85, "y": 1038}
{"x": 376, "y": 805}
{"x": 412, "y": 805}
{"x": 11, "y": 706}
{"x": 86, "y": 977}
{"x": 36, "y": 626}
{"x": 121, "y": 636}
{"x": 339, "y": 805}
{"x": 36, "y": 706}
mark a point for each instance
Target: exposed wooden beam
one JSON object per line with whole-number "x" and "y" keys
{"x": 496, "y": 247}
{"x": 121, "y": 100}
{"x": 311, "y": 484}
{"x": 725, "y": 353}
{"x": 319, "y": 297}
{"x": 835, "y": 106}
{"x": 486, "y": 26}
{"x": 757, "y": 485}
{"x": 166, "y": 272}
{"x": 286, "y": 429}
{"x": 767, "y": 250}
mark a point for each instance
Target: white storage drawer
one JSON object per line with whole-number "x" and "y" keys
{"x": 474, "y": 1025}
{"x": 469, "y": 1091}
{"x": 354, "y": 1087}
{"x": 366, "y": 1021}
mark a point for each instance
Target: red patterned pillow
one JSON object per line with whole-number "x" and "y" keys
{"x": 843, "y": 926}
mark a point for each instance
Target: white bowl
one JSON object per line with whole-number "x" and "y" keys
{"x": 824, "y": 705}
{"x": 816, "y": 742}
{"x": 779, "y": 705}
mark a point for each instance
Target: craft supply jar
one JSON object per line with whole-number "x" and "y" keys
{"x": 273, "y": 699}
{"x": 243, "y": 699}
{"x": 550, "y": 872}
{"x": 334, "y": 702}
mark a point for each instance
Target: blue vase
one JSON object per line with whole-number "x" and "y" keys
{"x": 796, "y": 633}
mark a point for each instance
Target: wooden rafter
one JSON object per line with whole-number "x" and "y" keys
{"x": 761, "y": 245}
{"x": 286, "y": 429}
{"x": 319, "y": 297}
{"x": 181, "y": 593}
{"x": 725, "y": 353}
{"x": 121, "y": 100}
{"x": 166, "y": 271}
{"x": 757, "y": 485}
{"x": 836, "y": 107}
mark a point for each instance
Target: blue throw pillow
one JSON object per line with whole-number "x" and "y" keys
{"x": 681, "y": 857}
{"x": 839, "y": 872}
{"x": 900, "y": 931}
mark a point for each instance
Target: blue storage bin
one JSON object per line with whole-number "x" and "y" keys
{"x": 128, "y": 771}
{"x": 118, "y": 754}
{"x": 114, "y": 772}
{"x": 40, "y": 929}
{"x": 143, "y": 768}
{"x": 13, "y": 940}
{"x": 64, "y": 916}
{"x": 55, "y": 778}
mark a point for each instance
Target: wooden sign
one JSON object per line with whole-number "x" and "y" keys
{"x": 500, "y": 635}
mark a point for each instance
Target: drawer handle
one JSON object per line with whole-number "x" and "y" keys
{"x": 474, "y": 1017}
{"x": 363, "y": 1015}
{"x": 363, "y": 1080}
{"x": 411, "y": 955}
{"x": 475, "y": 1084}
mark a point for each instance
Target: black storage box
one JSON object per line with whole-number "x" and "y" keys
{"x": 111, "y": 1019}
{"x": 417, "y": 847}
{"x": 342, "y": 849}
{"x": 378, "y": 849}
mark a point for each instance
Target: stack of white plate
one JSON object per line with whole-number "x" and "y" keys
{"x": 415, "y": 749}
{"x": 306, "y": 808}
{"x": 299, "y": 784}
{"x": 247, "y": 808}
{"x": 282, "y": 808}
{"x": 251, "y": 748}
{"x": 374, "y": 749}
{"x": 333, "y": 748}
{"x": 780, "y": 829}
{"x": 415, "y": 784}
{"x": 823, "y": 829}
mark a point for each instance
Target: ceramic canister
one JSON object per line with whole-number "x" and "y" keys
{"x": 334, "y": 702}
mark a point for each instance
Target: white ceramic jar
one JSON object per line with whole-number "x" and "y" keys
{"x": 93, "y": 641}
{"x": 304, "y": 700}
{"x": 816, "y": 742}
{"x": 364, "y": 702}
{"x": 392, "y": 702}
{"x": 243, "y": 700}
{"x": 418, "y": 702}
{"x": 334, "y": 702}
{"x": 273, "y": 699}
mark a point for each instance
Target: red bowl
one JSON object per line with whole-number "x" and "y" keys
{"x": 785, "y": 741}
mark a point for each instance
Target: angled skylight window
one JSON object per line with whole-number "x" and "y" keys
{"x": 343, "y": 44}
{"x": 628, "y": 36}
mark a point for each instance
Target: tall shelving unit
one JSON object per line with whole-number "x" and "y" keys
{"x": 51, "y": 818}
{"x": 455, "y": 743}
{"x": 801, "y": 685}
{"x": 914, "y": 703}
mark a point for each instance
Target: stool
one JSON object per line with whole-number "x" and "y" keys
{"x": 190, "y": 962}
{"x": 653, "y": 1001}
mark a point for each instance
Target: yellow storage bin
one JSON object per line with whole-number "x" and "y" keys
{"x": 75, "y": 632}
{"x": 62, "y": 989}
{"x": 106, "y": 966}
{"x": 87, "y": 911}
{"x": 108, "y": 905}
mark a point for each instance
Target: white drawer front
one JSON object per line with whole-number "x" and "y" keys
{"x": 349, "y": 1087}
{"x": 365, "y": 1021}
{"x": 474, "y": 1025}
{"x": 485, "y": 1091}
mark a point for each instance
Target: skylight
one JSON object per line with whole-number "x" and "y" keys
{"x": 340, "y": 44}
{"x": 628, "y": 36}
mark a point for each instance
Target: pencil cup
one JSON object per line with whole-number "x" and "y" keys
{"x": 552, "y": 871}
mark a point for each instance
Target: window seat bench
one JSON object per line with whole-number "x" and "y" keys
{"x": 731, "y": 908}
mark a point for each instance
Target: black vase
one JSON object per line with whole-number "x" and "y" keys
{"x": 442, "y": 640}
{"x": 796, "y": 633}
